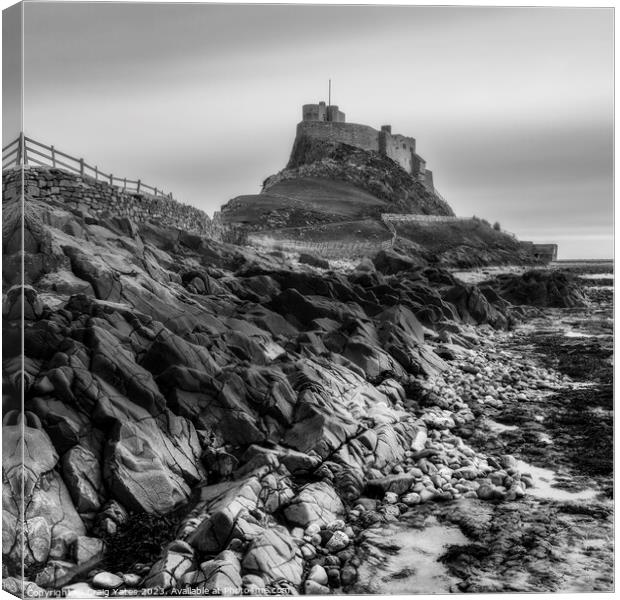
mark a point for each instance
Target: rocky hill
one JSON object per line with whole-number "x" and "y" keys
{"x": 332, "y": 195}
{"x": 328, "y": 182}
{"x": 201, "y": 414}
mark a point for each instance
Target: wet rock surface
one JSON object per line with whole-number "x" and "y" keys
{"x": 205, "y": 417}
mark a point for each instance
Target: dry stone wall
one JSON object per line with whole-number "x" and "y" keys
{"x": 409, "y": 218}
{"x": 331, "y": 249}
{"x": 102, "y": 199}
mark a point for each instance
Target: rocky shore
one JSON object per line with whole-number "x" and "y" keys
{"x": 201, "y": 418}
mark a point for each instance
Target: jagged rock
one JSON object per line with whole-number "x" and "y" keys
{"x": 227, "y": 503}
{"x": 540, "y": 288}
{"x": 315, "y": 503}
{"x": 398, "y": 484}
{"x": 82, "y": 475}
{"x": 305, "y": 308}
{"x": 390, "y": 262}
{"x": 274, "y": 555}
{"x": 223, "y": 574}
{"x": 56, "y": 574}
{"x": 88, "y": 550}
{"x": 12, "y": 303}
{"x": 168, "y": 571}
{"x": 50, "y": 516}
{"x": 22, "y": 588}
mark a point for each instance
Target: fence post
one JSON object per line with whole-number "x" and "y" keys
{"x": 111, "y": 179}
{"x": 138, "y": 188}
{"x": 96, "y": 172}
{"x": 53, "y": 157}
{"x": 82, "y": 167}
{"x": 156, "y": 192}
{"x": 124, "y": 184}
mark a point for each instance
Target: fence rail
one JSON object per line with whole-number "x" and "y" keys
{"x": 24, "y": 151}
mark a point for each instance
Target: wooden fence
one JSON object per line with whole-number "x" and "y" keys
{"x": 24, "y": 151}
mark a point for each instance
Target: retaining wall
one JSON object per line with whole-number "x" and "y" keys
{"x": 102, "y": 199}
{"x": 325, "y": 249}
{"x": 409, "y": 218}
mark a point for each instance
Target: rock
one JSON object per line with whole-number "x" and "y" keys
{"x": 318, "y": 574}
{"x": 390, "y": 262}
{"x": 254, "y": 585}
{"x": 411, "y": 499}
{"x": 167, "y": 572}
{"x": 338, "y": 541}
{"x": 51, "y": 519}
{"x": 80, "y": 591}
{"x": 398, "y": 484}
{"x": 390, "y": 498}
{"x": 132, "y": 580}
{"x": 312, "y": 588}
{"x": 333, "y": 576}
{"x": 540, "y": 288}
{"x": 12, "y": 303}
{"x": 348, "y": 575}
{"x": 82, "y": 474}
{"x": 485, "y": 492}
{"x": 313, "y": 261}
{"x": 316, "y": 503}
{"x": 274, "y": 555}
{"x": 107, "y": 581}
{"x": 223, "y": 575}
{"x": 88, "y": 550}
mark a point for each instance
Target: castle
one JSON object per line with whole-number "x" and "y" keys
{"x": 327, "y": 122}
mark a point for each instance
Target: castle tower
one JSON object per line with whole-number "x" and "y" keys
{"x": 322, "y": 112}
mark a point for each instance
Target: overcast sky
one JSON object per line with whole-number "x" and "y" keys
{"x": 512, "y": 108}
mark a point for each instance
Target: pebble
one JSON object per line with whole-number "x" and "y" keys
{"x": 411, "y": 498}
{"x": 132, "y": 579}
{"x": 337, "y": 525}
{"x": 107, "y": 580}
{"x": 338, "y": 541}
{"x": 348, "y": 575}
{"x": 390, "y": 498}
{"x": 333, "y": 576}
{"x": 318, "y": 574}
{"x": 312, "y": 588}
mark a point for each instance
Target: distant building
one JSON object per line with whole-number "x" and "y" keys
{"x": 543, "y": 252}
{"x": 320, "y": 121}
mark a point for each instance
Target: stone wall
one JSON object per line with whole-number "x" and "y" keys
{"x": 399, "y": 148}
{"x": 102, "y": 199}
{"x": 330, "y": 249}
{"x": 409, "y": 218}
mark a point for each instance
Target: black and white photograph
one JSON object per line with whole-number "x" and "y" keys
{"x": 307, "y": 299}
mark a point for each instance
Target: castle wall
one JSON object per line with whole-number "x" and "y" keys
{"x": 360, "y": 136}
{"x": 399, "y": 148}
{"x": 101, "y": 199}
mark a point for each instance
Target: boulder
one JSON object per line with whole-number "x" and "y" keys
{"x": 315, "y": 503}
{"x": 274, "y": 556}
